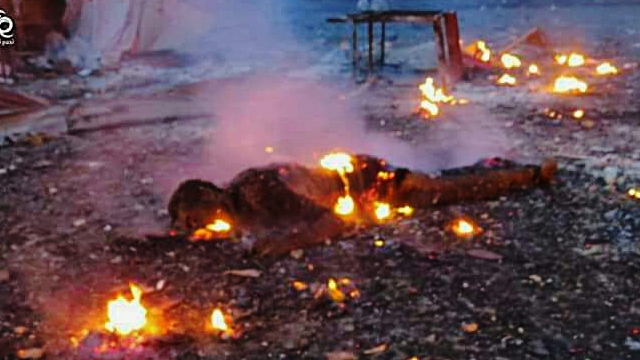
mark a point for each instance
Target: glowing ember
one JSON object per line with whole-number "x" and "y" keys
{"x": 344, "y": 205}
{"x": 219, "y": 226}
{"x": 483, "y": 53}
{"x": 571, "y": 60}
{"x": 507, "y": 79}
{"x": 634, "y": 193}
{"x": 464, "y": 228}
{"x": 340, "y": 162}
{"x": 382, "y": 211}
{"x": 385, "y": 175}
{"x": 606, "y": 69}
{"x": 218, "y": 321}
{"x": 510, "y": 61}
{"x": 334, "y": 293}
{"x": 125, "y": 317}
{"x": 567, "y": 84}
{"x": 378, "y": 243}
{"x": 300, "y": 286}
{"x": 533, "y": 70}
{"x": 578, "y": 114}
{"x": 405, "y": 210}
{"x": 268, "y": 149}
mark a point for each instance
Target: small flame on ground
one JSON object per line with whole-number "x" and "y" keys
{"x": 464, "y": 228}
{"x": 340, "y": 162}
{"x": 378, "y": 243}
{"x": 533, "y": 70}
{"x": 345, "y": 205}
{"x": 300, "y": 286}
{"x": 634, "y": 193}
{"x": 385, "y": 175}
{"x": 571, "y": 60}
{"x": 219, "y": 226}
{"x": 606, "y": 68}
{"x": 578, "y": 114}
{"x": 510, "y": 61}
{"x": 125, "y": 317}
{"x": 382, "y": 211}
{"x": 218, "y": 321}
{"x": 405, "y": 210}
{"x": 566, "y": 84}
{"x": 334, "y": 293}
{"x": 483, "y": 53}
{"x": 507, "y": 79}
{"x": 268, "y": 149}
{"x": 432, "y": 96}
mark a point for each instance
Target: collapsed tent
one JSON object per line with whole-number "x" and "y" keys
{"x": 101, "y": 31}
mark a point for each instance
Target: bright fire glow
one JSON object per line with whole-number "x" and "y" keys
{"x": 533, "y": 70}
{"x": 382, "y": 211}
{"x": 483, "y": 54}
{"x": 218, "y": 322}
{"x": 606, "y": 68}
{"x": 510, "y": 61}
{"x": 340, "y": 162}
{"x": 634, "y": 193}
{"x": 463, "y": 228}
{"x": 578, "y": 114}
{"x": 405, "y": 210}
{"x": 334, "y": 293}
{"x": 507, "y": 79}
{"x": 572, "y": 60}
{"x": 124, "y": 316}
{"x": 565, "y": 84}
{"x": 432, "y": 96}
{"x": 345, "y": 205}
{"x": 219, "y": 226}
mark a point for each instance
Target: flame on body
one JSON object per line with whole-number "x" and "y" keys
{"x": 340, "y": 162}
{"x": 344, "y": 205}
{"x": 219, "y": 226}
{"x": 606, "y": 68}
{"x": 568, "y": 84}
{"x": 510, "y": 61}
{"x": 507, "y": 79}
{"x": 382, "y": 211}
{"x": 124, "y": 316}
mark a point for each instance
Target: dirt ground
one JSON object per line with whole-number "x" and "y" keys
{"x": 554, "y": 274}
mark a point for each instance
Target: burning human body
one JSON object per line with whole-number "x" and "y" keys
{"x": 314, "y": 204}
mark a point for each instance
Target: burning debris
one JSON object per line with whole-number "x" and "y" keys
{"x": 569, "y": 84}
{"x": 507, "y": 80}
{"x": 465, "y": 228}
{"x": 433, "y": 97}
{"x": 124, "y": 316}
{"x": 320, "y": 203}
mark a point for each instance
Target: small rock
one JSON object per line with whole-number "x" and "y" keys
{"x": 484, "y": 254}
{"x": 341, "y": 355}
{"x": 33, "y": 353}
{"x": 53, "y": 191}
{"x": 79, "y": 222}
{"x": 42, "y": 164}
{"x": 3, "y": 171}
{"x": 537, "y": 347}
{"x": 610, "y": 174}
{"x": 146, "y": 181}
{"x": 297, "y": 254}
{"x": 536, "y": 278}
{"x": 588, "y": 124}
{"x": 633, "y": 345}
{"x": 431, "y": 339}
{"x": 107, "y": 228}
{"x": 116, "y": 260}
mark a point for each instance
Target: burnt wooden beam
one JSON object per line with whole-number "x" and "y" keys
{"x": 454, "y": 52}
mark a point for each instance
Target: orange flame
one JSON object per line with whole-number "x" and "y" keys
{"x": 382, "y": 211}
{"x": 578, "y": 114}
{"x": 219, "y": 226}
{"x": 432, "y": 96}
{"x": 483, "y": 53}
{"x": 125, "y": 317}
{"x": 566, "y": 84}
{"x": 405, "y": 210}
{"x": 344, "y": 206}
{"x": 571, "y": 60}
{"x": 218, "y": 321}
{"x": 507, "y": 79}
{"x": 340, "y": 162}
{"x": 510, "y": 61}
{"x": 634, "y": 193}
{"x": 464, "y": 228}
{"x": 533, "y": 70}
{"x": 606, "y": 68}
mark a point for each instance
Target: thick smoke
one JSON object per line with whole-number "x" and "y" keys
{"x": 299, "y": 118}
